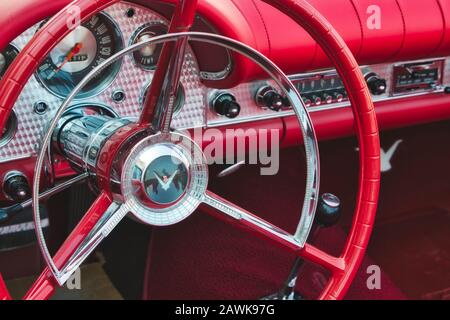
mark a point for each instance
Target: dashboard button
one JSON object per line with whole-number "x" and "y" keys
{"x": 327, "y": 98}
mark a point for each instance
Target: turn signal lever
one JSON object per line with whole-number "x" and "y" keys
{"x": 327, "y": 215}
{"x": 9, "y": 212}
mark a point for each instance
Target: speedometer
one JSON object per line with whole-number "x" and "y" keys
{"x": 78, "y": 53}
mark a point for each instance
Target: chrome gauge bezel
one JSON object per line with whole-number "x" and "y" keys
{"x": 11, "y": 128}
{"x": 7, "y": 64}
{"x": 111, "y": 73}
{"x": 135, "y": 36}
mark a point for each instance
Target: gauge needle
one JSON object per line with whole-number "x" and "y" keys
{"x": 75, "y": 50}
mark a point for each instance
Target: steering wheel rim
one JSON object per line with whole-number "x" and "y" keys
{"x": 333, "y": 45}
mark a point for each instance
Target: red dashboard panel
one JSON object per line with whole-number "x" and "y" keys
{"x": 409, "y": 29}
{"x": 445, "y": 9}
{"x": 424, "y": 28}
{"x": 391, "y": 29}
{"x": 17, "y": 16}
{"x": 339, "y": 122}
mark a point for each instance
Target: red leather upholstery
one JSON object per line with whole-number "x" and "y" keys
{"x": 445, "y": 9}
{"x": 424, "y": 28}
{"x": 410, "y": 29}
{"x": 391, "y": 32}
{"x": 18, "y": 16}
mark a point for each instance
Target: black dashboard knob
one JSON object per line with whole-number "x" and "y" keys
{"x": 16, "y": 187}
{"x": 226, "y": 105}
{"x": 268, "y": 97}
{"x": 376, "y": 84}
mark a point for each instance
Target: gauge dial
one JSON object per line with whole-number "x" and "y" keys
{"x": 78, "y": 53}
{"x": 147, "y": 57}
{"x": 7, "y": 56}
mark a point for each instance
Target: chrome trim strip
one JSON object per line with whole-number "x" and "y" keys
{"x": 111, "y": 218}
{"x": 231, "y": 169}
{"x": 287, "y": 113}
{"x": 6, "y": 160}
{"x": 60, "y": 187}
{"x": 238, "y": 214}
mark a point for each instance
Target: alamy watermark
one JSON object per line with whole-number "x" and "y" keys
{"x": 374, "y": 18}
{"x": 373, "y": 282}
{"x": 74, "y": 282}
{"x": 231, "y": 146}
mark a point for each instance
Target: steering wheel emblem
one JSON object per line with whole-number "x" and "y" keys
{"x": 165, "y": 180}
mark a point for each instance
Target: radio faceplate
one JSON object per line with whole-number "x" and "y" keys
{"x": 320, "y": 88}
{"x": 417, "y": 77}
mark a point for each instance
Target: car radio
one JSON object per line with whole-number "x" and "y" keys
{"x": 417, "y": 77}
{"x": 320, "y": 89}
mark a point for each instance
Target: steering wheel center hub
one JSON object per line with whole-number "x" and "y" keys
{"x": 164, "y": 179}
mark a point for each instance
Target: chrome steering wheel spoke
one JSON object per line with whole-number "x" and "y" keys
{"x": 97, "y": 226}
{"x": 253, "y": 222}
{"x": 167, "y": 98}
{"x": 235, "y": 215}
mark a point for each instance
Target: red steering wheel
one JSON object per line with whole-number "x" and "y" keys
{"x": 343, "y": 268}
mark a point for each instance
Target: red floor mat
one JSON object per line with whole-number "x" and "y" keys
{"x": 202, "y": 258}
{"x": 414, "y": 251}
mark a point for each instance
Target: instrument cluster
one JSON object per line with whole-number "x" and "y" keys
{"x": 121, "y": 87}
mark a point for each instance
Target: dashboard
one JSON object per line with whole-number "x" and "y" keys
{"x": 120, "y": 89}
